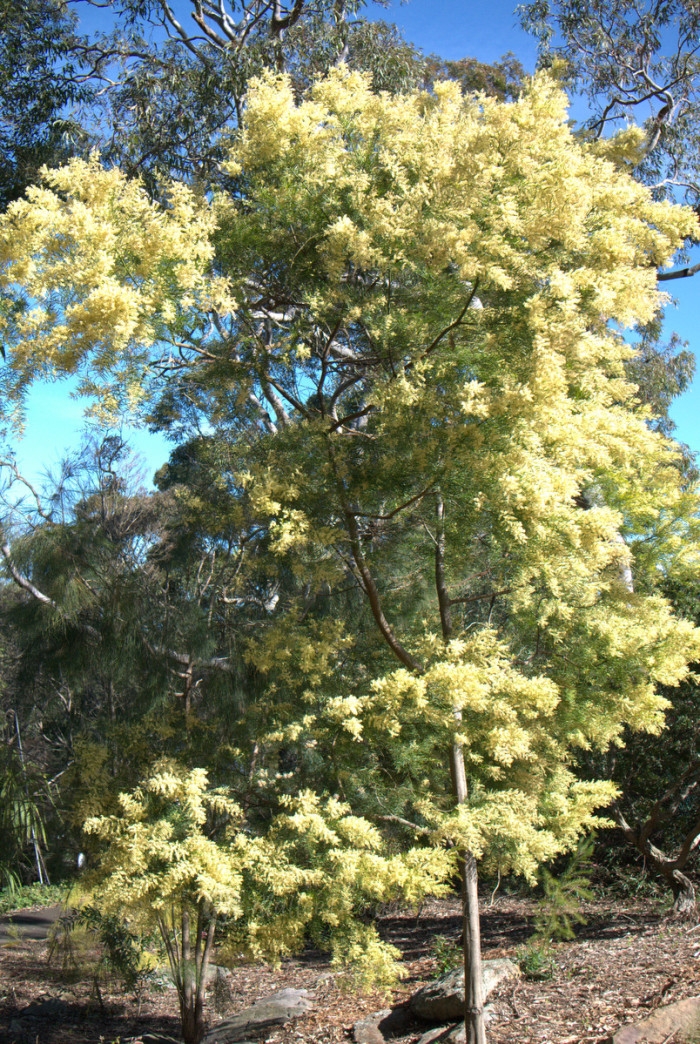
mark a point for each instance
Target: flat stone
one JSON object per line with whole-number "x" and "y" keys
{"x": 53, "y": 1008}
{"x": 679, "y": 1022}
{"x": 443, "y": 1000}
{"x": 152, "y": 1038}
{"x": 256, "y": 1021}
{"x": 29, "y": 924}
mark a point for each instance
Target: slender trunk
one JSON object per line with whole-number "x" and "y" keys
{"x": 191, "y": 998}
{"x": 475, "y": 1029}
{"x": 473, "y": 972}
{"x": 193, "y": 1023}
{"x": 202, "y": 966}
{"x": 473, "y": 975}
{"x": 191, "y": 972}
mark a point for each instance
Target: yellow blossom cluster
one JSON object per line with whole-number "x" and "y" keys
{"x": 407, "y": 326}
{"x": 311, "y": 873}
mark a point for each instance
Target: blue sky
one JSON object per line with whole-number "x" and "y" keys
{"x": 453, "y": 29}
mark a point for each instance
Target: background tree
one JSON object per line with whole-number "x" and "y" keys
{"x": 41, "y": 83}
{"x": 657, "y": 809}
{"x": 22, "y": 792}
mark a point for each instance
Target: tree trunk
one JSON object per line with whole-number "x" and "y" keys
{"x": 684, "y": 902}
{"x": 191, "y": 998}
{"x": 473, "y": 975}
{"x": 192, "y": 1018}
{"x": 475, "y": 1028}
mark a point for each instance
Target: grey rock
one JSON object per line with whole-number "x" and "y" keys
{"x": 213, "y": 972}
{"x": 457, "y": 1035}
{"x": 217, "y": 971}
{"x": 436, "y": 1033}
{"x": 679, "y": 1022}
{"x": 443, "y": 1000}
{"x": 153, "y": 1038}
{"x": 51, "y": 1008}
{"x": 367, "y": 1031}
{"x": 382, "y": 1025}
{"x": 256, "y": 1021}
{"x": 396, "y": 1022}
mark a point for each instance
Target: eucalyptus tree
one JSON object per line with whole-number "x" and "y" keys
{"x": 41, "y": 83}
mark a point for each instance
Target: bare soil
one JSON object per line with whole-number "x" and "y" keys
{"x": 627, "y": 960}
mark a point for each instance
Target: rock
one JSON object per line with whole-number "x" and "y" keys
{"x": 152, "y": 1038}
{"x": 457, "y": 1035}
{"x": 217, "y": 971}
{"x": 54, "y": 1008}
{"x": 382, "y": 1025}
{"x": 679, "y": 1022}
{"x": 443, "y": 999}
{"x": 434, "y": 1034}
{"x": 398, "y": 1022}
{"x": 367, "y": 1030}
{"x": 255, "y": 1022}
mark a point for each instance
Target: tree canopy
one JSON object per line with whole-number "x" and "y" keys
{"x": 420, "y": 290}
{"x": 414, "y": 535}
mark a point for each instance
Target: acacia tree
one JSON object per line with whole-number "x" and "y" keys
{"x": 633, "y": 61}
{"x": 178, "y": 855}
{"x": 403, "y": 324}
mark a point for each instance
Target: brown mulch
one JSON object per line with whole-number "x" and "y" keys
{"x": 627, "y": 960}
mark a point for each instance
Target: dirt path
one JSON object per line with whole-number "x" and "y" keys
{"x": 28, "y": 924}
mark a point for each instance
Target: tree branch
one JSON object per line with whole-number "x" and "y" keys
{"x": 679, "y": 273}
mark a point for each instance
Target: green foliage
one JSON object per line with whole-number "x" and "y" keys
{"x": 73, "y": 949}
{"x": 448, "y": 953}
{"x": 123, "y": 952}
{"x": 39, "y": 80}
{"x": 85, "y": 944}
{"x": 661, "y": 371}
{"x": 560, "y": 909}
{"x": 25, "y": 897}
{"x": 21, "y": 822}
{"x": 536, "y": 960}
{"x": 503, "y": 79}
{"x": 631, "y": 61}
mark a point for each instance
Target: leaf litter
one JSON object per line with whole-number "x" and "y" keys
{"x": 628, "y": 959}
